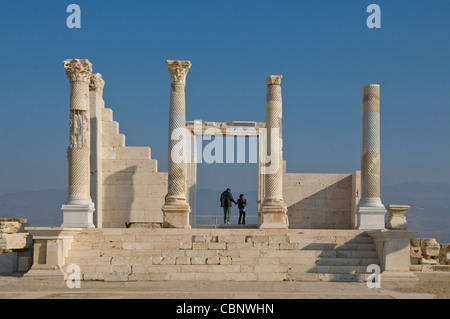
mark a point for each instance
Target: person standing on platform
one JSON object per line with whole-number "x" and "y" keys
{"x": 225, "y": 201}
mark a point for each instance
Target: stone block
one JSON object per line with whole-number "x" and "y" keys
{"x": 107, "y": 114}
{"x": 269, "y": 276}
{"x": 430, "y": 247}
{"x": 212, "y": 261}
{"x": 224, "y": 268}
{"x": 8, "y": 263}
{"x": 133, "y": 153}
{"x": 116, "y": 276}
{"x": 14, "y": 240}
{"x": 110, "y": 127}
{"x": 217, "y": 246}
{"x": 199, "y": 246}
{"x": 194, "y": 268}
{"x": 415, "y": 267}
{"x": 300, "y": 276}
{"x": 112, "y": 231}
{"x": 270, "y": 268}
{"x": 225, "y": 261}
{"x": 108, "y": 153}
{"x": 198, "y": 260}
{"x": 243, "y": 261}
{"x": 24, "y": 263}
{"x": 183, "y": 260}
{"x": 416, "y": 252}
{"x": 186, "y": 245}
{"x": 241, "y": 276}
{"x": 93, "y": 276}
{"x": 9, "y": 227}
{"x": 252, "y": 253}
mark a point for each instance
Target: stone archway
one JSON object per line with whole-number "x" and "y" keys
{"x": 182, "y": 170}
{"x": 220, "y": 129}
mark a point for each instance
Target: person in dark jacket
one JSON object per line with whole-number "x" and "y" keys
{"x": 242, "y": 202}
{"x": 225, "y": 201}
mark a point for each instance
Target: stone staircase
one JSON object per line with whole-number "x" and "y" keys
{"x": 133, "y": 190}
{"x": 122, "y": 254}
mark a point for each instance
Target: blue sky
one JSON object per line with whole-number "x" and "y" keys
{"x": 323, "y": 49}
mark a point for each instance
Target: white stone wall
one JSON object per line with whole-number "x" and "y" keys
{"x": 132, "y": 188}
{"x": 321, "y": 201}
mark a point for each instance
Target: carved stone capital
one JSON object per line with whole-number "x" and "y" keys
{"x": 96, "y": 83}
{"x": 178, "y": 70}
{"x": 78, "y": 69}
{"x": 274, "y": 79}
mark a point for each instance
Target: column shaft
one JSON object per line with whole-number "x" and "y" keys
{"x": 79, "y": 145}
{"x": 78, "y": 210}
{"x": 176, "y": 209}
{"x": 370, "y": 211}
{"x": 370, "y": 145}
{"x": 273, "y": 208}
{"x": 177, "y": 120}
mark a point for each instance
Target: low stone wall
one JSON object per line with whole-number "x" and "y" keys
{"x": 321, "y": 201}
{"x": 428, "y": 255}
{"x": 15, "y": 246}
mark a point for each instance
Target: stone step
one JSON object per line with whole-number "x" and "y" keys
{"x": 133, "y": 153}
{"x": 107, "y": 114}
{"x": 351, "y": 233}
{"x": 227, "y": 277}
{"x": 111, "y": 243}
{"x": 262, "y": 254}
{"x": 146, "y": 269}
{"x": 110, "y": 127}
{"x": 116, "y": 254}
{"x": 237, "y": 276}
{"x": 125, "y": 236}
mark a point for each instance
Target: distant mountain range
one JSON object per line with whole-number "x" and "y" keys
{"x": 429, "y": 213}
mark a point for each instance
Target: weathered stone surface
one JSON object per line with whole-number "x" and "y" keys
{"x": 430, "y": 248}
{"x": 8, "y": 263}
{"x": 416, "y": 252}
{"x": 9, "y": 227}
{"x": 15, "y": 241}
{"x": 397, "y": 219}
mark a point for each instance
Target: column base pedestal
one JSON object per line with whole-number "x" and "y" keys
{"x": 273, "y": 214}
{"x": 51, "y": 247}
{"x": 394, "y": 253}
{"x": 176, "y": 214}
{"x": 78, "y": 215}
{"x": 370, "y": 217}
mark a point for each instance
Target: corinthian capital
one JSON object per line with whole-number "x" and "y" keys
{"x": 78, "y": 69}
{"x": 96, "y": 83}
{"x": 274, "y": 79}
{"x": 178, "y": 70}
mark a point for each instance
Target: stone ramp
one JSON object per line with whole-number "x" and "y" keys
{"x": 122, "y": 254}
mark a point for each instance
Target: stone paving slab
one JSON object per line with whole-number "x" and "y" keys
{"x": 17, "y": 287}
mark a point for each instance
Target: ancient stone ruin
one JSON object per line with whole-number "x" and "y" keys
{"x": 126, "y": 220}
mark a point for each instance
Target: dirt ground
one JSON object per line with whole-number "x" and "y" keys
{"x": 435, "y": 283}
{"x": 430, "y": 285}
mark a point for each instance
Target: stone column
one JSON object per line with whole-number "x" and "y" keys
{"x": 176, "y": 210}
{"x": 79, "y": 208}
{"x": 96, "y": 106}
{"x": 273, "y": 208}
{"x": 370, "y": 212}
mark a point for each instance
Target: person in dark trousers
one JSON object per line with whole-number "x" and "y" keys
{"x": 225, "y": 201}
{"x": 242, "y": 202}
